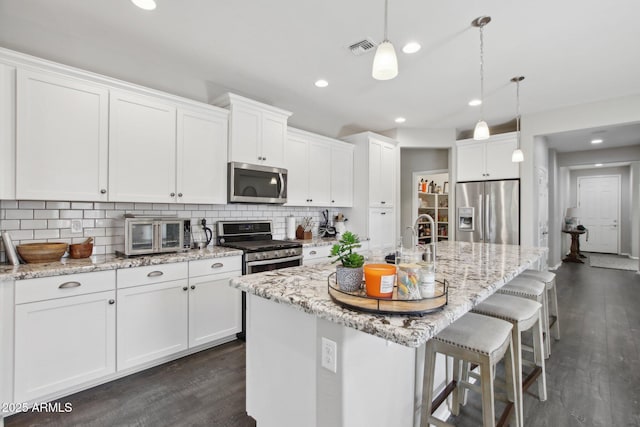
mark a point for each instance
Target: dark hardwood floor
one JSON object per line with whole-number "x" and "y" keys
{"x": 593, "y": 374}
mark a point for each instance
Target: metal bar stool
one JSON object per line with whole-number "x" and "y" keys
{"x": 549, "y": 279}
{"x": 526, "y": 287}
{"x": 524, "y": 314}
{"x": 481, "y": 340}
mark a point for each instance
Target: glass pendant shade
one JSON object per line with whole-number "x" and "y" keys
{"x": 517, "y": 156}
{"x": 481, "y": 131}
{"x": 385, "y": 63}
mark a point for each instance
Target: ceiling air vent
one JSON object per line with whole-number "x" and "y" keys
{"x": 362, "y": 47}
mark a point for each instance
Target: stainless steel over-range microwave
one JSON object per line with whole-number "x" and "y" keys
{"x": 256, "y": 184}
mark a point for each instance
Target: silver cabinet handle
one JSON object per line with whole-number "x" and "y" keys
{"x": 67, "y": 285}
{"x": 313, "y": 253}
{"x": 155, "y": 273}
{"x": 217, "y": 265}
{"x": 103, "y": 191}
{"x": 193, "y": 286}
{"x": 172, "y": 194}
{"x": 112, "y": 301}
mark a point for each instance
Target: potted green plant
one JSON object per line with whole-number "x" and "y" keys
{"x": 349, "y": 274}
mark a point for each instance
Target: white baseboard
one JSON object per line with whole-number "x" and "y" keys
{"x": 555, "y": 267}
{"x": 629, "y": 255}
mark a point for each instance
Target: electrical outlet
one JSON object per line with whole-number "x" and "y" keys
{"x": 76, "y": 226}
{"x": 329, "y": 355}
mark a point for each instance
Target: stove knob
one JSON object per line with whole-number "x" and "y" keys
{"x": 276, "y": 254}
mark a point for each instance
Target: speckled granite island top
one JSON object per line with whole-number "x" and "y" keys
{"x": 107, "y": 262}
{"x": 474, "y": 272}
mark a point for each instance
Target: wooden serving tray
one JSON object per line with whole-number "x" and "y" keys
{"x": 359, "y": 301}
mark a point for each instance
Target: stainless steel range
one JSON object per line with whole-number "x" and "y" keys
{"x": 260, "y": 251}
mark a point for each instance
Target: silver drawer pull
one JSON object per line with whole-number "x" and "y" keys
{"x": 67, "y": 285}
{"x": 313, "y": 253}
{"x": 156, "y": 273}
{"x": 217, "y": 265}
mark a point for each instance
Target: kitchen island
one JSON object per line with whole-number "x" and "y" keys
{"x": 374, "y": 364}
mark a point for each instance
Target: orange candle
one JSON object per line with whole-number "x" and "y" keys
{"x": 379, "y": 280}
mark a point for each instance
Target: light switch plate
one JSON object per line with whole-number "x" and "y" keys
{"x": 76, "y": 226}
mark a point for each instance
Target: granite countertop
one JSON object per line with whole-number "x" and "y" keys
{"x": 322, "y": 241}
{"x": 107, "y": 262}
{"x": 474, "y": 272}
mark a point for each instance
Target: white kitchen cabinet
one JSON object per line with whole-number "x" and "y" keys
{"x": 62, "y": 138}
{"x": 215, "y": 308}
{"x": 341, "y": 174}
{"x": 257, "y": 132}
{"x": 201, "y": 156}
{"x": 381, "y": 173}
{"x": 307, "y": 179}
{"x": 152, "y": 322}
{"x": 381, "y": 225}
{"x": 316, "y": 255}
{"x": 142, "y": 149}
{"x": 62, "y": 341}
{"x": 7, "y": 132}
{"x": 487, "y": 160}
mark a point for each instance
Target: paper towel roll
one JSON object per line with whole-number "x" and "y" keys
{"x": 290, "y": 227}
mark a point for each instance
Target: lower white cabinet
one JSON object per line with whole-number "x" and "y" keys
{"x": 63, "y": 342}
{"x": 381, "y": 228}
{"x": 152, "y": 322}
{"x": 316, "y": 255}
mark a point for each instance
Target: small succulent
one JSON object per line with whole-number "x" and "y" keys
{"x": 343, "y": 251}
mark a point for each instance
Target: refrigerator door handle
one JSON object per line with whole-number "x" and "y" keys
{"x": 487, "y": 218}
{"x": 480, "y": 223}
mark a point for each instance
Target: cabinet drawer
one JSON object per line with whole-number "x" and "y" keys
{"x": 45, "y": 288}
{"x": 203, "y": 267}
{"x": 152, "y": 274}
{"x": 317, "y": 252}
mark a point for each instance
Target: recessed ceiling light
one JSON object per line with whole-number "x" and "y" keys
{"x": 145, "y": 4}
{"x": 400, "y": 120}
{"x": 321, "y": 83}
{"x": 598, "y": 165}
{"x": 597, "y": 141}
{"x": 475, "y": 102}
{"x": 411, "y": 47}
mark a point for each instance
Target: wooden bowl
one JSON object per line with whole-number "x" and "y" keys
{"x": 80, "y": 250}
{"x": 42, "y": 252}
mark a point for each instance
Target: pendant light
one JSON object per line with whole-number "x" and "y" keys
{"x": 481, "y": 130}
{"x": 517, "y": 155}
{"x": 385, "y": 63}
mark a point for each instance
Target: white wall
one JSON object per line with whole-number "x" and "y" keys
{"x": 601, "y": 113}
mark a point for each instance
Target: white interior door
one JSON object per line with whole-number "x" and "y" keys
{"x": 543, "y": 208}
{"x": 599, "y": 203}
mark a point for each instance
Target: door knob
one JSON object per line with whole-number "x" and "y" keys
{"x": 172, "y": 194}
{"x": 103, "y": 191}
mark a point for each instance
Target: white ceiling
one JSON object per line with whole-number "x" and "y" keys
{"x": 580, "y": 140}
{"x": 571, "y": 52}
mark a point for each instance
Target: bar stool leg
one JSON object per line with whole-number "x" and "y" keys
{"x": 488, "y": 405}
{"x": 513, "y": 387}
{"x": 517, "y": 362}
{"x": 430, "y": 367}
{"x": 554, "y": 305}
{"x": 538, "y": 358}
{"x": 545, "y": 325}
{"x": 460, "y": 392}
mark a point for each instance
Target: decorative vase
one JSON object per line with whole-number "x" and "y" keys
{"x": 349, "y": 279}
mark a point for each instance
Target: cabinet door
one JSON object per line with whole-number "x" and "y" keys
{"x": 498, "y": 160}
{"x": 63, "y": 342}
{"x": 215, "y": 308}
{"x": 341, "y": 175}
{"x": 387, "y": 175}
{"x": 274, "y": 135}
{"x": 297, "y": 172}
{"x": 375, "y": 173}
{"x": 201, "y": 157}
{"x": 142, "y": 149}
{"x": 381, "y": 229}
{"x": 246, "y": 128}
{"x": 152, "y": 322}
{"x": 471, "y": 166}
{"x": 62, "y": 144}
{"x": 318, "y": 161}
{"x": 7, "y": 132}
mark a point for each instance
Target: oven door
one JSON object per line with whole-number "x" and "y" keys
{"x": 272, "y": 264}
{"x": 257, "y": 184}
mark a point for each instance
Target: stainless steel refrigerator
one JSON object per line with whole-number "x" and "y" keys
{"x": 488, "y": 211}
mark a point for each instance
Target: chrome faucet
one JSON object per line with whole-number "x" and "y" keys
{"x": 432, "y": 224}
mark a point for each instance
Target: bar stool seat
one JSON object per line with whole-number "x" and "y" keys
{"x": 477, "y": 339}
{"x": 523, "y": 314}
{"x": 549, "y": 279}
{"x": 527, "y": 287}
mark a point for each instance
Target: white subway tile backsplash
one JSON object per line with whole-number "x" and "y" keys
{"x": 114, "y": 214}
{"x": 100, "y": 205}
{"x": 46, "y": 214}
{"x": 94, "y": 214}
{"x": 58, "y": 205}
{"x": 140, "y": 206}
{"x": 30, "y": 224}
{"x": 124, "y": 206}
{"x": 70, "y": 214}
{"x": 10, "y": 224}
{"x": 88, "y": 223}
{"x": 21, "y": 235}
{"x": 94, "y": 232}
{"x": 159, "y": 207}
{"x": 30, "y": 204}
{"x": 59, "y": 223}
{"x": 46, "y": 234}
{"x": 8, "y": 204}
{"x": 81, "y": 205}
{"x": 19, "y": 214}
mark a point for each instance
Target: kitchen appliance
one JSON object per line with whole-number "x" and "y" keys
{"x": 150, "y": 234}
{"x": 260, "y": 251}
{"x": 201, "y": 235}
{"x": 256, "y": 184}
{"x": 325, "y": 229}
{"x": 488, "y": 211}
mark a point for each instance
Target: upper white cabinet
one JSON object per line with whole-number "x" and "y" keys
{"x": 257, "y": 132}
{"x": 142, "y": 149}
{"x": 487, "y": 160}
{"x": 7, "y": 132}
{"x": 381, "y": 173}
{"x": 62, "y": 138}
{"x": 201, "y": 156}
{"x": 341, "y": 174}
